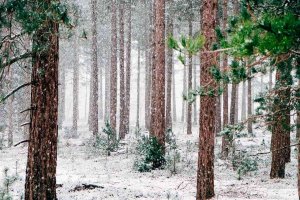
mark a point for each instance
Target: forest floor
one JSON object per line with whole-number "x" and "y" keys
{"x": 79, "y": 163}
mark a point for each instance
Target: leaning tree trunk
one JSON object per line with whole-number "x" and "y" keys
{"x": 75, "y": 88}
{"x": 225, "y": 139}
{"x": 94, "y": 72}
{"x": 122, "y": 126}
{"x": 190, "y": 83}
{"x": 113, "y": 69}
{"x": 128, "y": 70}
{"x": 205, "y": 173}
{"x": 159, "y": 117}
{"x": 169, "y": 75}
{"x": 42, "y": 150}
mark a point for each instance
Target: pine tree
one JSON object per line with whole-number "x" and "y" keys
{"x": 205, "y": 174}
{"x": 75, "y": 87}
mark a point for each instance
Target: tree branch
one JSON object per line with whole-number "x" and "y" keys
{"x": 14, "y": 91}
{"x": 21, "y": 142}
{"x": 16, "y": 59}
{"x": 263, "y": 153}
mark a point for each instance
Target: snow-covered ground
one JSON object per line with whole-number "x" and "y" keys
{"x": 78, "y": 164}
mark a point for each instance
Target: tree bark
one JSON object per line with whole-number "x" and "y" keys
{"x": 205, "y": 173}
{"x": 249, "y": 100}
{"x": 122, "y": 98}
{"x": 138, "y": 88}
{"x": 113, "y": 69}
{"x": 169, "y": 75}
{"x": 225, "y": 139}
{"x": 128, "y": 70}
{"x": 243, "y": 117}
{"x": 94, "y": 72}
{"x": 75, "y": 87}
{"x": 42, "y": 148}
{"x": 190, "y": 83}
{"x": 233, "y": 104}
{"x": 159, "y": 82}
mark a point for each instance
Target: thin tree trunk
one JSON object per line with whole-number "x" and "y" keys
{"x": 42, "y": 149}
{"x": 243, "y": 117}
{"x": 128, "y": 70}
{"x": 159, "y": 115}
{"x": 233, "y": 104}
{"x": 10, "y": 111}
{"x": 75, "y": 88}
{"x": 249, "y": 100}
{"x": 100, "y": 99}
{"x": 298, "y": 117}
{"x": 138, "y": 88}
{"x": 190, "y": 83}
{"x": 169, "y": 75}
{"x": 183, "y": 108}
{"x": 237, "y": 96}
{"x": 195, "y": 87}
{"x": 107, "y": 91}
{"x": 225, "y": 139}
{"x": 61, "y": 113}
{"x": 174, "y": 94}
{"x": 205, "y": 173}
{"x": 113, "y": 69}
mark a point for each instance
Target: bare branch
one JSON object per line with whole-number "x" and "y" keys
{"x": 14, "y": 91}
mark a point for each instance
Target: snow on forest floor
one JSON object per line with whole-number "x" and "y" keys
{"x": 79, "y": 164}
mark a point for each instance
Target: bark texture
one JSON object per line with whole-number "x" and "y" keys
{"x": 42, "y": 148}
{"x": 205, "y": 173}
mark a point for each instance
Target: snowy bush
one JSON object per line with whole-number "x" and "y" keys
{"x": 107, "y": 142}
{"x": 7, "y": 183}
{"x": 243, "y": 163}
{"x": 149, "y": 155}
{"x": 173, "y": 155}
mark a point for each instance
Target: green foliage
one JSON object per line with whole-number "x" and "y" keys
{"x": 150, "y": 155}
{"x": 244, "y": 164}
{"x": 107, "y": 142}
{"x": 6, "y": 186}
{"x": 173, "y": 154}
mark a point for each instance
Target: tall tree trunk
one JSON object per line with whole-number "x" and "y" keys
{"x": 205, "y": 173}
{"x": 169, "y": 75}
{"x": 107, "y": 92}
{"x": 298, "y": 114}
{"x": 100, "y": 99}
{"x": 195, "y": 87}
{"x": 94, "y": 72}
{"x": 236, "y": 110}
{"x": 153, "y": 71}
{"x": 190, "y": 83}
{"x": 113, "y": 69}
{"x": 75, "y": 87}
{"x": 128, "y": 69}
{"x": 174, "y": 110}
{"x": 270, "y": 79}
{"x": 183, "y": 108}
{"x": 249, "y": 100}
{"x": 233, "y": 104}
{"x": 138, "y": 88}
{"x": 10, "y": 110}
{"x": 122, "y": 126}
{"x": 159, "y": 117}
{"x": 243, "y": 117}
{"x": 225, "y": 139}
{"x": 42, "y": 148}
{"x": 61, "y": 113}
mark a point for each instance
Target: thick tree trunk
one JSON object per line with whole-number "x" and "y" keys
{"x": 169, "y": 75}
{"x": 153, "y": 71}
{"x": 280, "y": 141}
{"x": 94, "y": 72}
{"x": 113, "y": 69}
{"x": 190, "y": 84}
{"x": 128, "y": 70}
{"x": 42, "y": 150}
{"x": 205, "y": 173}
{"x": 225, "y": 139}
{"x": 122, "y": 98}
{"x": 159, "y": 117}
{"x": 75, "y": 88}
